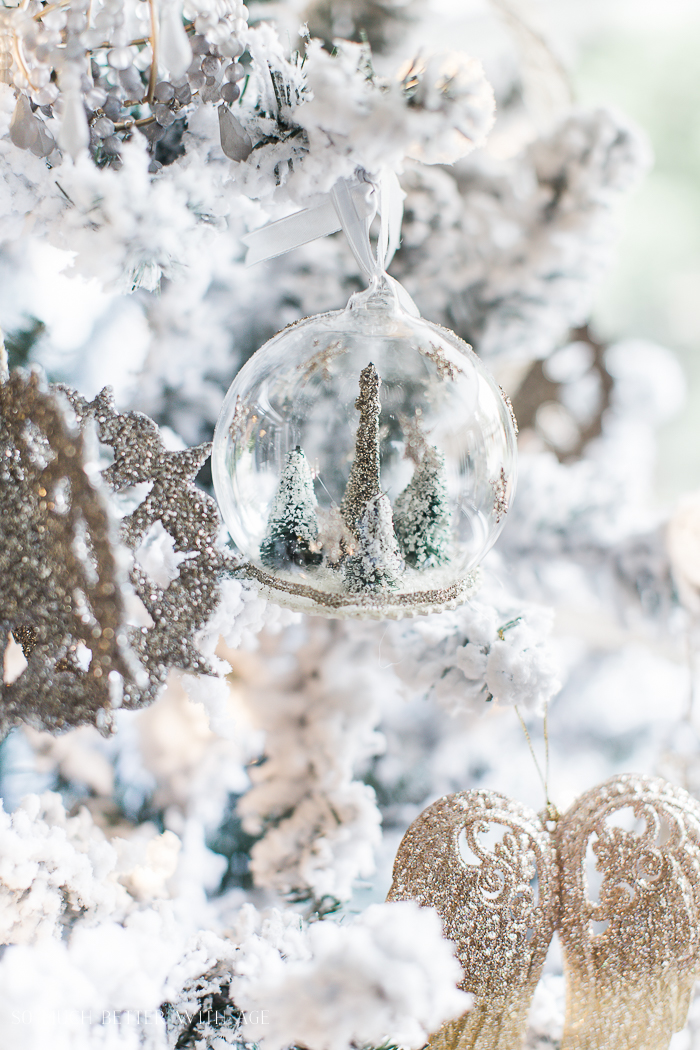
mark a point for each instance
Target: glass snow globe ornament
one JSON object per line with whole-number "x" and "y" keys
{"x": 364, "y": 461}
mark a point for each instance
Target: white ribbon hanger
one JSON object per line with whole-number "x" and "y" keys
{"x": 292, "y": 231}
{"x": 350, "y": 206}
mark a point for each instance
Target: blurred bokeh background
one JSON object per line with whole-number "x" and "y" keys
{"x": 639, "y": 56}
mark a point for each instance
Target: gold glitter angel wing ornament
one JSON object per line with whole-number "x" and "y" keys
{"x": 632, "y": 944}
{"x": 619, "y": 877}
{"x": 487, "y": 865}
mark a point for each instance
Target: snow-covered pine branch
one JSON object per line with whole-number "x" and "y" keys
{"x": 479, "y": 654}
{"x": 508, "y": 253}
{"x": 386, "y": 977}
{"x": 319, "y": 825}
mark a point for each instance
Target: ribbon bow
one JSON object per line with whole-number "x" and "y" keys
{"x": 351, "y": 206}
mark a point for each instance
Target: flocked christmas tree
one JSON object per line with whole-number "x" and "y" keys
{"x": 143, "y": 906}
{"x": 422, "y": 516}
{"x": 377, "y": 564}
{"x": 292, "y": 527}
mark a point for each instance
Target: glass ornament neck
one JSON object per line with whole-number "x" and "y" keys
{"x": 384, "y": 294}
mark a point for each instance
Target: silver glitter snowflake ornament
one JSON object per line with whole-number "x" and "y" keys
{"x": 63, "y": 591}
{"x": 60, "y": 587}
{"x": 188, "y": 515}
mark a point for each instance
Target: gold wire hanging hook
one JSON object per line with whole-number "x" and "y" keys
{"x": 550, "y": 813}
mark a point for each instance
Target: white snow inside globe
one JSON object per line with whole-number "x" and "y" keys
{"x": 364, "y": 461}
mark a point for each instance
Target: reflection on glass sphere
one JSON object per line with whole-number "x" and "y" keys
{"x": 364, "y": 462}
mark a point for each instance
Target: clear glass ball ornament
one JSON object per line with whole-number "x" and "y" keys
{"x": 364, "y": 461}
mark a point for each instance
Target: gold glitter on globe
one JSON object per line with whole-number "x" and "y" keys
{"x": 632, "y": 956}
{"x": 499, "y": 907}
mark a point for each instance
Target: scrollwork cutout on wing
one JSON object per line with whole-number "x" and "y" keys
{"x": 632, "y": 954}
{"x": 498, "y": 904}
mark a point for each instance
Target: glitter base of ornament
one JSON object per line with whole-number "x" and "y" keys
{"x": 286, "y": 590}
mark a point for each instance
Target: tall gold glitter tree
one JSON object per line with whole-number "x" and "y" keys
{"x": 364, "y": 482}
